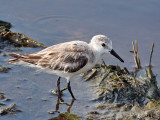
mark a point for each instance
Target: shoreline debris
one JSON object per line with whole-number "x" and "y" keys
{"x": 125, "y": 94}
{"x": 9, "y": 110}
{"x": 16, "y": 38}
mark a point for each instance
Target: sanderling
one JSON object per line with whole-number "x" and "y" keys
{"x": 68, "y": 59}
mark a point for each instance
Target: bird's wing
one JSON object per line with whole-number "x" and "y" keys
{"x": 67, "y": 57}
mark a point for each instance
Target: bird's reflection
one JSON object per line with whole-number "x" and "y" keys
{"x": 61, "y": 101}
{"x": 61, "y": 115}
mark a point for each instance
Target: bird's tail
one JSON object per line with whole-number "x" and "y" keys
{"x": 15, "y": 58}
{"x": 29, "y": 58}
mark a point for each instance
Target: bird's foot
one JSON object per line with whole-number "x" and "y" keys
{"x": 55, "y": 91}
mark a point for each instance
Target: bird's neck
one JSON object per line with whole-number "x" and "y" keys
{"x": 97, "y": 54}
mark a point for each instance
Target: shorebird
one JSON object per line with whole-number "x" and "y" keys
{"x": 68, "y": 59}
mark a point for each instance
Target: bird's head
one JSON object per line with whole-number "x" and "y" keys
{"x": 103, "y": 44}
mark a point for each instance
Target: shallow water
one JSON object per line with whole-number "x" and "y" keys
{"x": 52, "y": 22}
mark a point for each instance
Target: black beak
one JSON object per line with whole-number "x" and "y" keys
{"x": 116, "y": 55}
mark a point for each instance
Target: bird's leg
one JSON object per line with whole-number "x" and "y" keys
{"x": 69, "y": 89}
{"x": 58, "y": 87}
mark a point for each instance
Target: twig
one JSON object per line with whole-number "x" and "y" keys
{"x": 138, "y": 60}
{"x": 136, "y": 55}
{"x": 92, "y": 74}
{"x": 151, "y": 54}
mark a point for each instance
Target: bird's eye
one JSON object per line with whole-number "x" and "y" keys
{"x": 103, "y": 44}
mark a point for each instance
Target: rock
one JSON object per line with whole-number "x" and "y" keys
{"x": 5, "y": 24}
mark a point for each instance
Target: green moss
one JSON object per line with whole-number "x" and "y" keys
{"x": 66, "y": 116}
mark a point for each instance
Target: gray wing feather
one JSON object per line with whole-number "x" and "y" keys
{"x": 68, "y": 57}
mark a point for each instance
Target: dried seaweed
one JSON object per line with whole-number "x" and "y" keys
{"x": 120, "y": 85}
{"x": 125, "y": 94}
